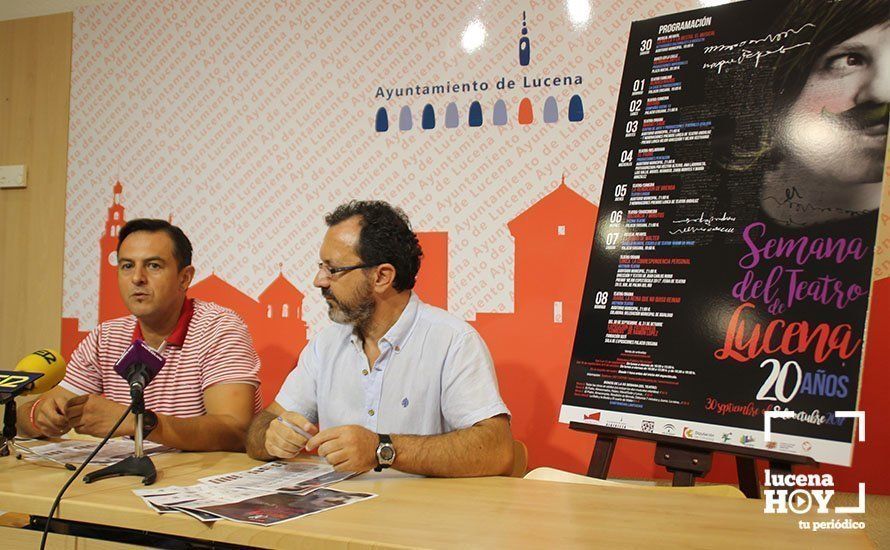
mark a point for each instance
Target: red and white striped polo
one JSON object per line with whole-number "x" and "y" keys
{"x": 210, "y": 345}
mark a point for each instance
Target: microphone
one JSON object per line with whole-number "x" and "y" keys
{"x": 37, "y": 372}
{"x": 139, "y": 365}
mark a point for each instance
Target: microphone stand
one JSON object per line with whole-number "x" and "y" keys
{"x": 9, "y": 431}
{"x": 8, "y": 445}
{"x": 139, "y": 464}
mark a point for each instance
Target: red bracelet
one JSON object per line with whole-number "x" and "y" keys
{"x": 31, "y": 417}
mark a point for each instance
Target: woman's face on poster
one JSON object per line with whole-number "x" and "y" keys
{"x": 837, "y": 127}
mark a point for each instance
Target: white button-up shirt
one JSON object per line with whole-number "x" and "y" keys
{"x": 434, "y": 375}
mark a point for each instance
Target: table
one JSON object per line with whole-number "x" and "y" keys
{"x": 433, "y": 513}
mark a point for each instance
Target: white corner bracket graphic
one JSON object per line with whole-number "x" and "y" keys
{"x": 860, "y": 509}
{"x": 768, "y": 418}
{"x": 858, "y": 415}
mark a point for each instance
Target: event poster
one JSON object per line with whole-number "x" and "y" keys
{"x": 731, "y": 266}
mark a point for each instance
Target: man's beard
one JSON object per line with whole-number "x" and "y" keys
{"x": 357, "y": 312}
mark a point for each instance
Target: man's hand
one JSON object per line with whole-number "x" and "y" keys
{"x": 347, "y": 448}
{"x": 94, "y": 415}
{"x": 50, "y": 417}
{"x": 282, "y": 441}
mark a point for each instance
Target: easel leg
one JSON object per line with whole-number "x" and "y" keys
{"x": 683, "y": 479}
{"x": 602, "y": 456}
{"x": 746, "y": 468}
{"x": 685, "y": 463}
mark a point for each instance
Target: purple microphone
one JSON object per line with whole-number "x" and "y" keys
{"x": 139, "y": 365}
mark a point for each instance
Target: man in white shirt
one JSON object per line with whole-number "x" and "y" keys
{"x": 395, "y": 382}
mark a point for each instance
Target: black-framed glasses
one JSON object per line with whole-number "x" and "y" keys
{"x": 331, "y": 271}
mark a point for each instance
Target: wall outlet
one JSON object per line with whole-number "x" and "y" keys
{"x": 12, "y": 177}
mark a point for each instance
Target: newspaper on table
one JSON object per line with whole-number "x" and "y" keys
{"x": 282, "y": 477}
{"x": 76, "y": 451}
{"x": 275, "y": 508}
{"x": 186, "y": 499}
{"x": 266, "y": 495}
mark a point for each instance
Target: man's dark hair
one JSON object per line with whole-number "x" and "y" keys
{"x": 182, "y": 247}
{"x": 386, "y": 237}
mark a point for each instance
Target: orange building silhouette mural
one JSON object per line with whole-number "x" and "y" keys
{"x": 110, "y": 303}
{"x": 532, "y": 346}
{"x": 274, "y": 319}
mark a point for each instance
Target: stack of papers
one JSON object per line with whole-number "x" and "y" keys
{"x": 265, "y": 495}
{"x": 76, "y": 451}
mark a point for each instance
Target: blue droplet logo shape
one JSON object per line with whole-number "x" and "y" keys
{"x": 405, "y": 122}
{"x": 452, "y": 119}
{"x": 405, "y": 402}
{"x": 428, "y": 119}
{"x": 382, "y": 122}
{"x": 475, "y": 114}
{"x": 576, "y": 109}
{"x": 499, "y": 117}
{"x": 551, "y": 110}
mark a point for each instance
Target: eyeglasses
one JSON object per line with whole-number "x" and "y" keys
{"x": 328, "y": 271}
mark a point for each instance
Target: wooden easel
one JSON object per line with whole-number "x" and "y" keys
{"x": 688, "y": 459}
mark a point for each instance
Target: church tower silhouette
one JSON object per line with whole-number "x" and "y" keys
{"x": 110, "y": 303}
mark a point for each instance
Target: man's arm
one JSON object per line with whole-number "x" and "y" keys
{"x": 268, "y": 439}
{"x": 229, "y": 408}
{"x": 483, "y": 449}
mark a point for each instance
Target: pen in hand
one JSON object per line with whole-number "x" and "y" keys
{"x": 295, "y": 428}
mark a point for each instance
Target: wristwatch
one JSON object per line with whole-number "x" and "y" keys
{"x": 149, "y": 423}
{"x": 386, "y": 453}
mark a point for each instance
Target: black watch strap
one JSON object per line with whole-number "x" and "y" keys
{"x": 149, "y": 423}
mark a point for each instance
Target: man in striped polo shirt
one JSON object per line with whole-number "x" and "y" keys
{"x": 394, "y": 382}
{"x": 203, "y": 398}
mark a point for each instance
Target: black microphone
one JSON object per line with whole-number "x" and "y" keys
{"x": 138, "y": 376}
